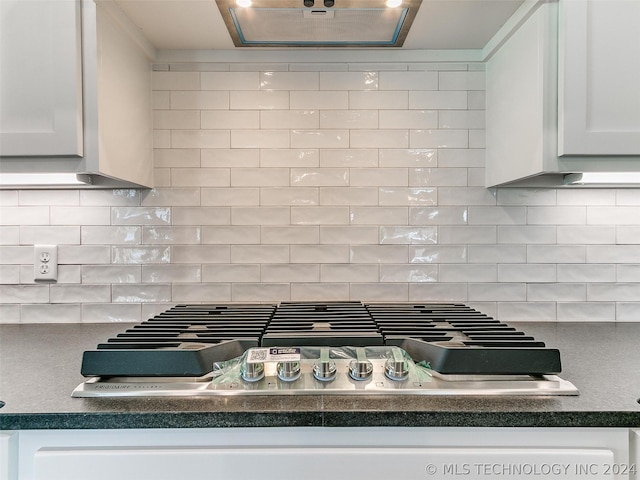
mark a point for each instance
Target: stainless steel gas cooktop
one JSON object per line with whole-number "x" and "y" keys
{"x": 344, "y": 348}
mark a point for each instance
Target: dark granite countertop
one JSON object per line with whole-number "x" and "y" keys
{"x": 40, "y": 367}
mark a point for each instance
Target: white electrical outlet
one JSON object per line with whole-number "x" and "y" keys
{"x": 45, "y": 262}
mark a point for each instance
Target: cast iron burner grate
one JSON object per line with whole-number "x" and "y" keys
{"x": 186, "y": 340}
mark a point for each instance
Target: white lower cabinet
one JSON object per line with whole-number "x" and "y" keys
{"x": 327, "y": 453}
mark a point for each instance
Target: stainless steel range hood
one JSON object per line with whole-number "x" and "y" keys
{"x": 289, "y": 23}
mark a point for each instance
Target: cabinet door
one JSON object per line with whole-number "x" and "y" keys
{"x": 599, "y": 74}
{"x": 40, "y": 78}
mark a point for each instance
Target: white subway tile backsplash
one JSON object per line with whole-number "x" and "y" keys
{"x": 289, "y": 157}
{"x": 465, "y": 119}
{"x": 380, "y": 292}
{"x": 468, "y": 273}
{"x": 229, "y": 235}
{"x": 587, "y": 273}
{"x": 81, "y": 293}
{"x": 101, "y": 274}
{"x": 229, "y": 119}
{"x": 437, "y": 100}
{"x": 410, "y": 81}
{"x": 175, "y": 80}
{"x": 351, "y": 273}
{"x": 177, "y": 157}
{"x": 140, "y": 255}
{"x": 283, "y": 235}
{"x": 80, "y": 215}
{"x": 288, "y": 273}
{"x": 259, "y": 177}
{"x": 319, "y": 177}
{"x": 586, "y": 311}
{"x": 31, "y": 235}
{"x": 409, "y": 119}
{"x": 438, "y": 254}
{"x": 461, "y": 81}
{"x": 325, "y": 100}
{"x": 289, "y": 81}
{"x": 112, "y": 312}
{"x": 453, "y": 235}
{"x": 408, "y": 273}
{"x": 260, "y": 215}
{"x": 236, "y": 273}
{"x": 319, "y": 216}
{"x": 321, "y": 181}
{"x": 260, "y": 292}
{"x": 349, "y": 235}
{"x": 260, "y": 139}
{"x": 580, "y": 235}
{"x": 319, "y": 254}
{"x": 378, "y": 253}
{"x": 10, "y": 215}
{"x": 51, "y": 313}
{"x": 378, "y": 100}
{"x": 397, "y": 196}
{"x": 44, "y": 197}
{"x": 438, "y": 215}
{"x": 438, "y": 292}
{"x": 288, "y": 196}
{"x": 466, "y": 195}
{"x": 498, "y": 254}
{"x": 197, "y": 139}
{"x": 556, "y": 254}
{"x": 200, "y": 254}
{"x": 230, "y": 157}
{"x": 526, "y": 234}
{"x": 171, "y": 235}
{"x": 319, "y": 138}
{"x": 10, "y": 235}
{"x": 230, "y": 81}
{"x": 288, "y": 119}
{"x": 408, "y": 157}
{"x": 348, "y": 81}
{"x": 171, "y": 273}
{"x": 436, "y": 177}
{"x": 348, "y": 196}
{"x": 620, "y": 215}
{"x": 319, "y": 291}
{"x": 348, "y": 119}
{"x": 84, "y": 254}
{"x": 530, "y": 273}
{"x": 439, "y": 139}
{"x": 199, "y": 100}
{"x": 408, "y": 235}
{"x": 201, "y": 293}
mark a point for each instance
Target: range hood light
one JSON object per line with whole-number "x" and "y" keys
{"x": 43, "y": 179}
{"x": 602, "y": 178}
{"x": 243, "y": 3}
{"x": 394, "y": 3}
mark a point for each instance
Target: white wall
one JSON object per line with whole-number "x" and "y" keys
{"x": 322, "y": 182}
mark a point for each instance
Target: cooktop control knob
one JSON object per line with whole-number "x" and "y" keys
{"x": 360, "y": 368}
{"x": 252, "y": 372}
{"x": 396, "y": 367}
{"x": 324, "y": 369}
{"x": 288, "y": 371}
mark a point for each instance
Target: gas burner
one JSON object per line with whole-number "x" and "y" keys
{"x": 326, "y": 348}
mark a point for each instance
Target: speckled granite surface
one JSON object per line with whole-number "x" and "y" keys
{"x": 40, "y": 367}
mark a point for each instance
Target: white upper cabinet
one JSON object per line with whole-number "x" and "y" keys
{"x": 522, "y": 101}
{"x": 76, "y": 94}
{"x": 599, "y": 77}
{"x": 40, "y": 78}
{"x": 563, "y": 94}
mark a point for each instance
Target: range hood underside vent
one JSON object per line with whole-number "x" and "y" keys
{"x": 351, "y": 23}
